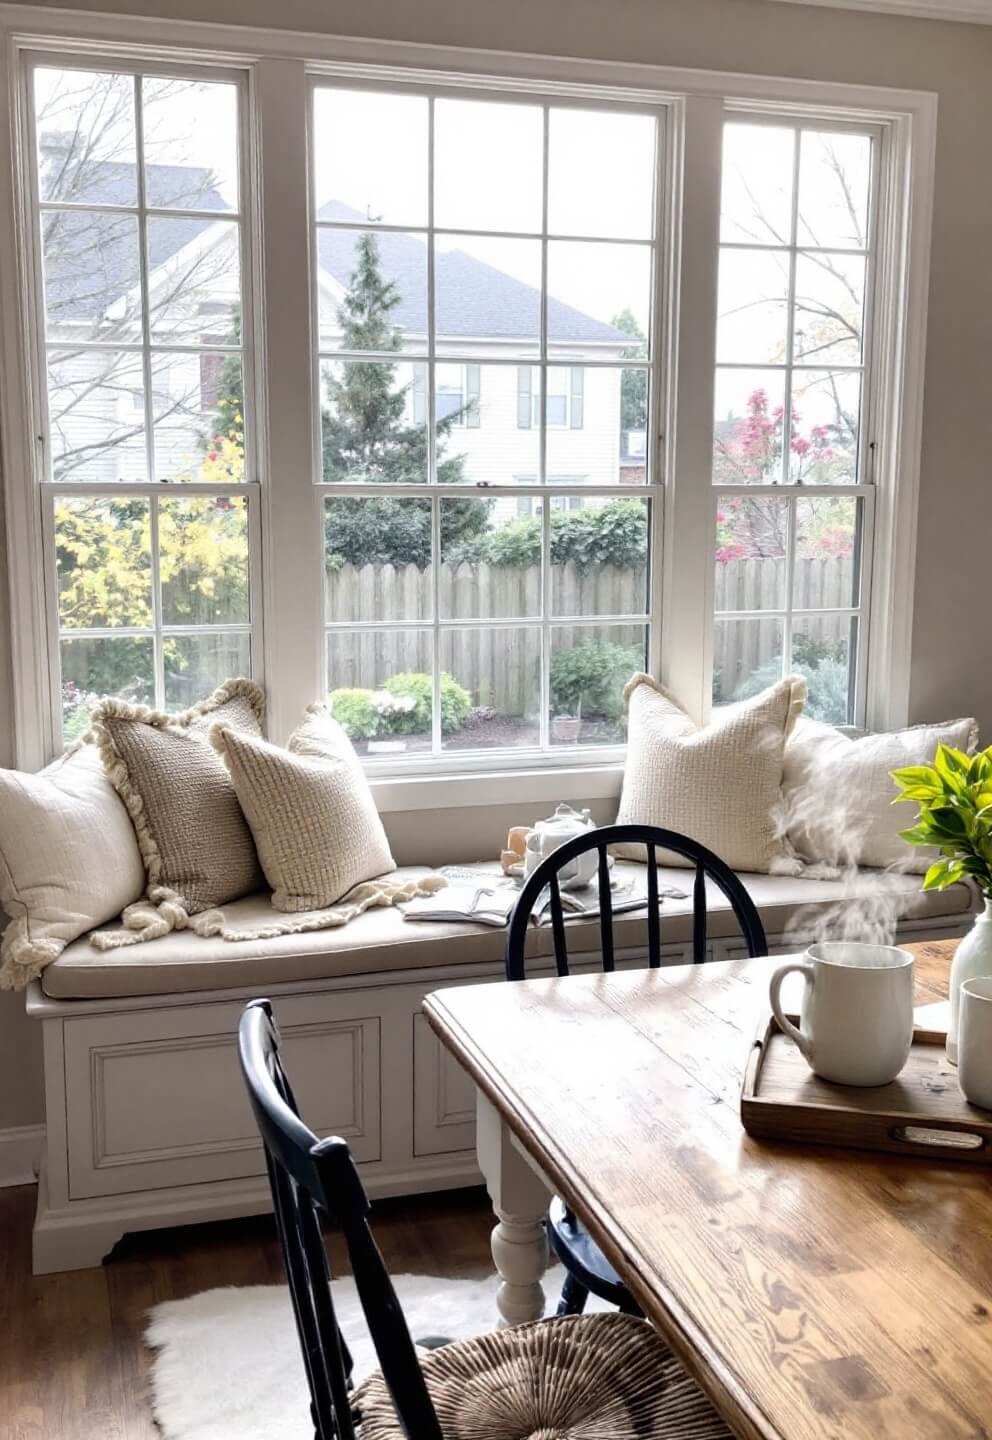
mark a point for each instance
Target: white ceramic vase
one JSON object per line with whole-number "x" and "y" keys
{"x": 972, "y": 959}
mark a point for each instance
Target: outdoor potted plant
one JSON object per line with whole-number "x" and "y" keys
{"x": 565, "y": 726}
{"x": 955, "y": 799}
{"x": 571, "y": 677}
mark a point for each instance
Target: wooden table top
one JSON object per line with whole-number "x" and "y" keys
{"x": 813, "y": 1293}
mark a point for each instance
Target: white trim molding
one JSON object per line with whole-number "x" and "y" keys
{"x": 20, "y": 1155}
{"x": 974, "y": 12}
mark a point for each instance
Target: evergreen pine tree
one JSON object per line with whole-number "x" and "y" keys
{"x": 366, "y": 435}
{"x": 633, "y": 383}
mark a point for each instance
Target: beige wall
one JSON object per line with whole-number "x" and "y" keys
{"x": 952, "y": 657}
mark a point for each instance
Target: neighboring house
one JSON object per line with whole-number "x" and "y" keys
{"x": 497, "y": 317}
{"x": 93, "y": 293}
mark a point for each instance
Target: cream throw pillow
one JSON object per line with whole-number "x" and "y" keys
{"x": 310, "y": 809}
{"x": 720, "y": 785}
{"x": 197, "y": 848}
{"x": 68, "y": 860}
{"x": 838, "y": 792}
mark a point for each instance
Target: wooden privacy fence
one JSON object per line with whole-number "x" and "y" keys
{"x": 481, "y": 592}
{"x": 740, "y": 647}
{"x": 500, "y": 666}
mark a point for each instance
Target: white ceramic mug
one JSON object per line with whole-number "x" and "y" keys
{"x": 856, "y": 1018}
{"x": 975, "y": 1041}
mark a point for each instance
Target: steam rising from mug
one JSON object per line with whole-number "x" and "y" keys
{"x": 869, "y": 903}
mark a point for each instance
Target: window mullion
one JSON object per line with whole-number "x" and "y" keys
{"x": 791, "y": 528}
{"x": 431, "y": 419}
{"x": 790, "y": 314}
{"x": 687, "y": 573}
{"x": 156, "y": 582}
{"x": 145, "y": 296}
{"x": 544, "y": 719}
{"x": 542, "y": 369}
{"x": 286, "y": 382}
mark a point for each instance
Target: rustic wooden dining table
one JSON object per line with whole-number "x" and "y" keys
{"x": 815, "y": 1294}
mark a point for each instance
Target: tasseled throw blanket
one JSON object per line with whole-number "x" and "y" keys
{"x": 163, "y": 911}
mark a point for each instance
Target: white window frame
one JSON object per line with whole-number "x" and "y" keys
{"x": 438, "y": 351}
{"x": 276, "y": 65}
{"x": 863, "y": 489}
{"x": 145, "y": 349}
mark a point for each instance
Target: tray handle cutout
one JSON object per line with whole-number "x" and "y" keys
{"x": 937, "y": 1139}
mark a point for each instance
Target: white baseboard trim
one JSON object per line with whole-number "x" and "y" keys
{"x": 20, "y": 1154}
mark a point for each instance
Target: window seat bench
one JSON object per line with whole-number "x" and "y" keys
{"x": 146, "y": 1121}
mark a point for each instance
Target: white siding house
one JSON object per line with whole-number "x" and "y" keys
{"x": 97, "y": 405}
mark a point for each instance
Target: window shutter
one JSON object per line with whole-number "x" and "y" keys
{"x": 578, "y": 399}
{"x": 472, "y": 386}
{"x": 523, "y": 397}
{"x": 420, "y": 394}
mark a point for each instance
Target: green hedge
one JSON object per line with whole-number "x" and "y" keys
{"x": 610, "y": 534}
{"x": 382, "y": 530}
{"x": 368, "y": 715}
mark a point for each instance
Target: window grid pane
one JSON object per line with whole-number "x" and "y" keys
{"x": 789, "y": 596}
{"x": 793, "y": 509}
{"x": 511, "y": 355}
{"x": 145, "y": 384}
{"x": 791, "y": 333}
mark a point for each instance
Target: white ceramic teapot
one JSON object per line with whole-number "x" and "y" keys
{"x": 547, "y": 835}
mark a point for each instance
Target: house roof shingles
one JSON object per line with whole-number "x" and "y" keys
{"x": 473, "y": 298}
{"x": 91, "y": 256}
{"x": 95, "y": 262}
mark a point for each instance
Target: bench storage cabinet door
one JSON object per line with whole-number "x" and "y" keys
{"x": 160, "y": 1102}
{"x": 443, "y": 1097}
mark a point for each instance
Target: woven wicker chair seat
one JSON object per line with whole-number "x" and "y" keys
{"x": 578, "y": 1377}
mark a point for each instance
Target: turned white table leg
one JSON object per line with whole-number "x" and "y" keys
{"x": 520, "y": 1200}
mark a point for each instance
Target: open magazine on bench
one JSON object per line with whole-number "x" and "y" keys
{"x": 491, "y": 902}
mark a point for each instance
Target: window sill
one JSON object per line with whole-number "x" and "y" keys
{"x": 469, "y": 790}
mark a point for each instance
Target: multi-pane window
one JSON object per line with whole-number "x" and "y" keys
{"x": 457, "y": 467}
{"x": 485, "y": 280}
{"x": 791, "y": 457}
{"x": 143, "y": 471}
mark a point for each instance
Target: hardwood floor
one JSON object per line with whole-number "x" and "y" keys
{"x": 72, "y": 1362}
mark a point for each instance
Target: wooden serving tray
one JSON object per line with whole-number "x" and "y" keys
{"x": 922, "y": 1112}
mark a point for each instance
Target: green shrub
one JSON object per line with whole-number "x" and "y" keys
{"x": 610, "y": 534}
{"x": 589, "y": 677}
{"x": 824, "y": 665}
{"x": 367, "y": 715}
{"x": 353, "y": 711}
{"x": 455, "y": 702}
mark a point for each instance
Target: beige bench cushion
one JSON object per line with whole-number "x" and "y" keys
{"x": 381, "y": 940}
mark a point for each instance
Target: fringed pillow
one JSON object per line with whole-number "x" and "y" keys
{"x": 195, "y": 843}
{"x": 720, "y": 785}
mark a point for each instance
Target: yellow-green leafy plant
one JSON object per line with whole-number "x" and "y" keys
{"x": 955, "y": 799}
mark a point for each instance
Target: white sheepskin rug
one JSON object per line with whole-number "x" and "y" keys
{"x": 228, "y": 1363}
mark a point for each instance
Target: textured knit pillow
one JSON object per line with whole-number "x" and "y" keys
{"x": 721, "y": 785}
{"x": 197, "y": 848}
{"x": 310, "y": 809}
{"x": 68, "y": 860}
{"x": 838, "y": 792}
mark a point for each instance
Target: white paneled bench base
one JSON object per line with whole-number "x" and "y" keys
{"x": 147, "y": 1125}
